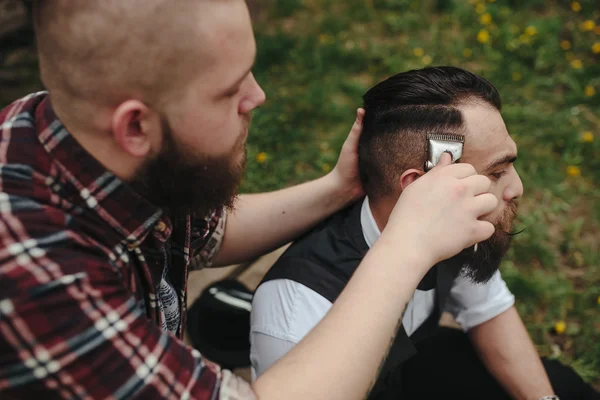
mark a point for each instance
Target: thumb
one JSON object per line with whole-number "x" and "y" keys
{"x": 356, "y": 130}
{"x": 445, "y": 159}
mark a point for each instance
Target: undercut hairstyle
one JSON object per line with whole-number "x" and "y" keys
{"x": 402, "y": 110}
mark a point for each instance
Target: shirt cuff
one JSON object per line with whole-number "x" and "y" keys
{"x": 234, "y": 388}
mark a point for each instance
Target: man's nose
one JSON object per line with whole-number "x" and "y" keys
{"x": 256, "y": 97}
{"x": 514, "y": 190}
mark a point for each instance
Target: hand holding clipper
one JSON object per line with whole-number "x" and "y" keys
{"x": 438, "y": 144}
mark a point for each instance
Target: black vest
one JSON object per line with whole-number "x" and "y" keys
{"x": 325, "y": 258}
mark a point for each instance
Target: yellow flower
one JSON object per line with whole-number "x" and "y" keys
{"x": 589, "y": 91}
{"x": 573, "y": 170}
{"x": 588, "y": 25}
{"x": 418, "y": 52}
{"x": 524, "y": 39}
{"x": 531, "y": 31}
{"x": 426, "y": 60}
{"x": 467, "y": 52}
{"x": 326, "y": 167}
{"x": 576, "y": 64}
{"x": 596, "y": 48}
{"x": 575, "y": 6}
{"x": 560, "y": 327}
{"x": 486, "y": 19}
{"x": 597, "y": 30}
{"x": 598, "y": 301}
{"x": 480, "y": 8}
{"x": 565, "y": 45}
{"x": 261, "y": 157}
{"x": 483, "y": 36}
{"x": 587, "y": 137}
{"x": 516, "y": 76}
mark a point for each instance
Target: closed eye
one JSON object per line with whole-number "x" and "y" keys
{"x": 498, "y": 175}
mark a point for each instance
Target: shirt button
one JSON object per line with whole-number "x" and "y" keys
{"x": 161, "y": 226}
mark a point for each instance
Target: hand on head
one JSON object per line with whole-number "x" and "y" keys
{"x": 439, "y": 213}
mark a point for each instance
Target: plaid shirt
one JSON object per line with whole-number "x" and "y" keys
{"x": 81, "y": 260}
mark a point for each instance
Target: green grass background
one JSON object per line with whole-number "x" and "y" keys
{"x": 317, "y": 57}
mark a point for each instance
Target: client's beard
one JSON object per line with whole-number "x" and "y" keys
{"x": 481, "y": 266}
{"x": 180, "y": 180}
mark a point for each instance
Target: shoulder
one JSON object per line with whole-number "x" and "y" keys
{"x": 286, "y": 309}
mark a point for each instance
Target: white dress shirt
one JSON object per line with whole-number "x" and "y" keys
{"x": 284, "y": 311}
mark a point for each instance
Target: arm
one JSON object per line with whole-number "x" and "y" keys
{"x": 277, "y": 218}
{"x": 505, "y": 348}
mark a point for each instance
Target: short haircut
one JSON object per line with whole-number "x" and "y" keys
{"x": 110, "y": 50}
{"x": 403, "y": 109}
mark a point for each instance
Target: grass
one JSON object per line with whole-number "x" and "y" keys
{"x": 317, "y": 57}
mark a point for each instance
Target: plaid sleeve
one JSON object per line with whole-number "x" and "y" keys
{"x": 207, "y": 238}
{"x": 69, "y": 328}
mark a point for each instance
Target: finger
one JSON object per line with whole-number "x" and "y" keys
{"x": 360, "y": 114}
{"x": 478, "y": 183}
{"x": 483, "y": 231}
{"x": 484, "y": 204}
{"x": 354, "y": 135}
{"x": 460, "y": 170}
{"x": 445, "y": 159}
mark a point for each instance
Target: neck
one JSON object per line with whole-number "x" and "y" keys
{"x": 95, "y": 137}
{"x": 381, "y": 210}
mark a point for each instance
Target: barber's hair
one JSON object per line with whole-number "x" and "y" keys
{"x": 403, "y": 109}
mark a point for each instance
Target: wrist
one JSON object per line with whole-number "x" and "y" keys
{"x": 406, "y": 250}
{"x": 341, "y": 191}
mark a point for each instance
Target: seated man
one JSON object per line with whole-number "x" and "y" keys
{"x": 497, "y": 358}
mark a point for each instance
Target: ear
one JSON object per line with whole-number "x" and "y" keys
{"x": 409, "y": 176}
{"x": 136, "y": 128}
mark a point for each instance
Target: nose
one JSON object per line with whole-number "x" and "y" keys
{"x": 514, "y": 189}
{"x": 255, "y": 97}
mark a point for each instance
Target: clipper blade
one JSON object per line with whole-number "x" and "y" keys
{"x": 440, "y": 143}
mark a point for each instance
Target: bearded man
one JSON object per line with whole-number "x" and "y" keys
{"x": 497, "y": 359}
{"x": 120, "y": 178}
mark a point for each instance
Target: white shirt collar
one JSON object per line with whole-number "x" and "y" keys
{"x": 370, "y": 229}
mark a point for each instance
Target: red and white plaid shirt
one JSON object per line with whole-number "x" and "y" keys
{"x": 81, "y": 261}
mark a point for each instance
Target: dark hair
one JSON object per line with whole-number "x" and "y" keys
{"x": 403, "y": 109}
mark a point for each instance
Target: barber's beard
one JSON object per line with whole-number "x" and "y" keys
{"x": 481, "y": 266}
{"x": 180, "y": 180}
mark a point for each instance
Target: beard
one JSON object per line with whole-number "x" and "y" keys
{"x": 180, "y": 180}
{"x": 481, "y": 265}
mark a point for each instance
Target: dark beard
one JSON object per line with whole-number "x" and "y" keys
{"x": 481, "y": 266}
{"x": 181, "y": 181}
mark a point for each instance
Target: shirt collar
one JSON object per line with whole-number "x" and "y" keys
{"x": 90, "y": 184}
{"x": 370, "y": 229}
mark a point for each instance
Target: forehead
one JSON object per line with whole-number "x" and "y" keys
{"x": 486, "y": 136}
{"x": 230, "y": 41}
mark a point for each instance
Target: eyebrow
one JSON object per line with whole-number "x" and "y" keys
{"x": 507, "y": 159}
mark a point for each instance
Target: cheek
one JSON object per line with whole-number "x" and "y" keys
{"x": 214, "y": 133}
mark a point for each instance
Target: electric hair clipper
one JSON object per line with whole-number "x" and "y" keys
{"x": 438, "y": 144}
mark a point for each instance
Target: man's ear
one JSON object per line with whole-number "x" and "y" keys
{"x": 409, "y": 176}
{"x": 136, "y": 128}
